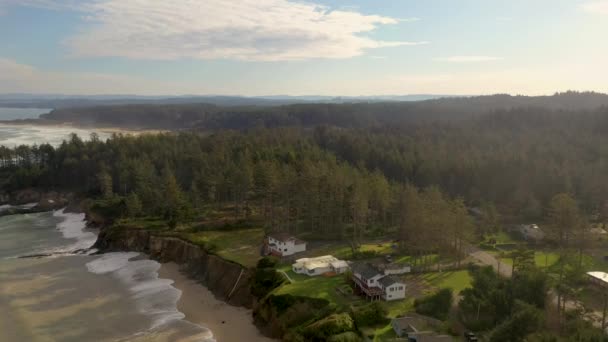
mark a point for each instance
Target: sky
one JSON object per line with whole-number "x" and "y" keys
{"x": 312, "y": 47}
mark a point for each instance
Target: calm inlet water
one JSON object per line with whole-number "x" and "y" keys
{"x": 76, "y": 297}
{"x": 21, "y": 113}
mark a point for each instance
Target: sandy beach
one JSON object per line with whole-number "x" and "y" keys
{"x": 228, "y": 323}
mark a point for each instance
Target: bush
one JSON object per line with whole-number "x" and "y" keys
{"x": 284, "y": 302}
{"x": 345, "y": 337}
{"x": 370, "y": 314}
{"x": 437, "y": 305}
{"x": 267, "y": 262}
{"x": 360, "y": 255}
{"x": 265, "y": 278}
{"x": 332, "y": 325}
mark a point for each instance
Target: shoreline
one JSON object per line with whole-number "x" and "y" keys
{"x": 227, "y": 323}
{"x": 103, "y": 129}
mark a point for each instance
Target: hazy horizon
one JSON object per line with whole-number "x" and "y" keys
{"x": 299, "y": 48}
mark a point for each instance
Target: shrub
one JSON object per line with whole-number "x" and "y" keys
{"x": 327, "y": 327}
{"x": 265, "y": 279}
{"x": 284, "y": 302}
{"x": 437, "y": 305}
{"x": 370, "y": 314}
{"x": 345, "y": 337}
{"x": 267, "y": 262}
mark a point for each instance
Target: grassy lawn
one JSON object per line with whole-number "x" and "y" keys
{"x": 148, "y": 223}
{"x": 455, "y": 280}
{"x": 399, "y": 307}
{"x": 407, "y": 259}
{"x": 241, "y": 246}
{"x": 317, "y": 287}
{"x": 380, "y": 248}
{"x": 501, "y": 237}
{"x": 382, "y": 333}
{"x": 541, "y": 259}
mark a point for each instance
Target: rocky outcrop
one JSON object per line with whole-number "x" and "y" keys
{"x": 227, "y": 280}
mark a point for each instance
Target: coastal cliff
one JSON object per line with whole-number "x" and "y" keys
{"x": 227, "y": 280}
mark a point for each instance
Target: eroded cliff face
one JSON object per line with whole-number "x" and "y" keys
{"x": 227, "y": 280}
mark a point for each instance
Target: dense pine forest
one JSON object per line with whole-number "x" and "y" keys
{"x": 323, "y": 176}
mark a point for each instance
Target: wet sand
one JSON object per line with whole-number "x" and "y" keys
{"x": 201, "y": 307}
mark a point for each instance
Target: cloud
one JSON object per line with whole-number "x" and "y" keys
{"x": 21, "y": 78}
{"x": 596, "y": 7}
{"x": 252, "y": 30}
{"x": 468, "y": 59}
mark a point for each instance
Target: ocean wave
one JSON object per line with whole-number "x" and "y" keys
{"x": 154, "y": 297}
{"x": 73, "y": 226}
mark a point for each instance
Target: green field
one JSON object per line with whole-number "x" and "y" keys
{"x": 241, "y": 246}
{"x": 455, "y": 280}
{"x": 541, "y": 259}
{"x": 317, "y": 287}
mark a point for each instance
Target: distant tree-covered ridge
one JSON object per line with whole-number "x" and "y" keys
{"x": 349, "y": 115}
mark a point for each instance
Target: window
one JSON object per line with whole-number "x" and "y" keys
{"x": 285, "y": 250}
{"x": 400, "y": 287}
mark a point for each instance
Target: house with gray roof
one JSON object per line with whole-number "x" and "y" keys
{"x": 375, "y": 284}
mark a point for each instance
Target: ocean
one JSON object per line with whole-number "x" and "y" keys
{"x": 21, "y": 113}
{"x": 12, "y": 135}
{"x": 69, "y": 295}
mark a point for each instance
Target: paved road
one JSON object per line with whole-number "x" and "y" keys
{"x": 506, "y": 270}
{"x": 488, "y": 259}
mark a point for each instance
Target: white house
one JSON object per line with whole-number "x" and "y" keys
{"x": 531, "y": 232}
{"x": 375, "y": 284}
{"x": 283, "y": 244}
{"x": 320, "y": 265}
{"x": 393, "y": 289}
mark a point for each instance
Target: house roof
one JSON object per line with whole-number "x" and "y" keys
{"x": 284, "y": 237}
{"x": 366, "y": 270}
{"x": 601, "y": 276}
{"x": 388, "y": 281}
{"x": 339, "y": 264}
{"x": 318, "y": 262}
{"x": 408, "y": 323}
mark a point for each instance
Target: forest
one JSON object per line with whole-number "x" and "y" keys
{"x": 434, "y": 185}
{"x": 211, "y": 117}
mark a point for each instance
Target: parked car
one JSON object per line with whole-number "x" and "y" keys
{"x": 470, "y": 337}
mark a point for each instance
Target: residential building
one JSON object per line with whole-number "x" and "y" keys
{"x": 415, "y": 329}
{"x": 320, "y": 265}
{"x": 375, "y": 284}
{"x": 531, "y": 232}
{"x": 283, "y": 244}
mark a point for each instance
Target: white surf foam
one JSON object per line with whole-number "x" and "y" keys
{"x": 5, "y": 207}
{"x": 154, "y": 297}
{"x": 73, "y": 227}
